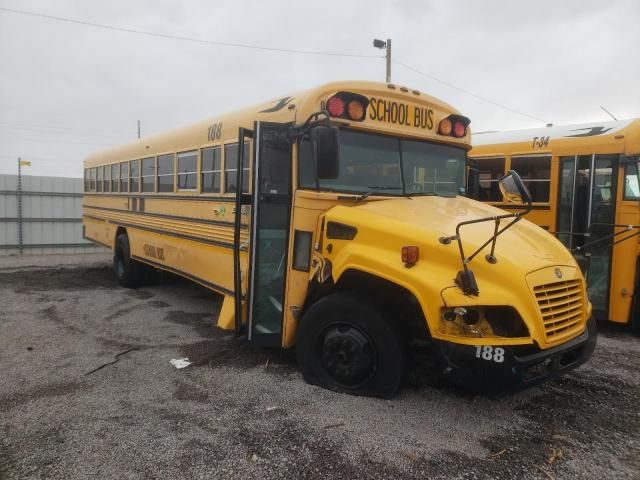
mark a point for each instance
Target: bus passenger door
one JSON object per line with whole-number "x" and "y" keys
{"x": 269, "y": 233}
{"x": 586, "y": 213}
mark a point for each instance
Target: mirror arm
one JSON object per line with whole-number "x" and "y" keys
{"x": 446, "y": 240}
{"x": 491, "y": 258}
{"x": 516, "y": 217}
{"x": 312, "y": 121}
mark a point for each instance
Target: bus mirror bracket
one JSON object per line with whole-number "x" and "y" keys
{"x": 324, "y": 140}
{"x": 512, "y": 188}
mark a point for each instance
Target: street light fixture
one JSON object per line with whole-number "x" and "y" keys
{"x": 377, "y": 43}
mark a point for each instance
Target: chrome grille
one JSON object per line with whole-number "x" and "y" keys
{"x": 561, "y": 305}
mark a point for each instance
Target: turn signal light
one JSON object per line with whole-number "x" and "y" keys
{"x": 347, "y": 105}
{"x": 410, "y": 255}
{"x": 454, "y": 126}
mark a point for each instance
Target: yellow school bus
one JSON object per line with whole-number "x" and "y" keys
{"x": 333, "y": 220}
{"x": 584, "y": 180}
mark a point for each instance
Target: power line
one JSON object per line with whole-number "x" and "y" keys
{"x": 184, "y": 38}
{"x": 64, "y": 131}
{"x": 450, "y": 85}
{"x": 36, "y": 140}
{"x": 263, "y": 48}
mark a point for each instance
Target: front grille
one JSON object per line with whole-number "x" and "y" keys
{"x": 561, "y": 305}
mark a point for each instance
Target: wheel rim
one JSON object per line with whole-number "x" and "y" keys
{"x": 348, "y": 356}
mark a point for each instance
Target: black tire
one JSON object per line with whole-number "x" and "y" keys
{"x": 345, "y": 344}
{"x": 129, "y": 272}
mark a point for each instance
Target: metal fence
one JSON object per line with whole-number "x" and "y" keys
{"x": 42, "y": 215}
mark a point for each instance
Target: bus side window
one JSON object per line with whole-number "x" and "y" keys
{"x": 134, "y": 179}
{"x": 87, "y": 182}
{"x": 148, "y": 174}
{"x": 99, "y": 179}
{"x": 115, "y": 175}
{"x": 164, "y": 178}
{"x": 124, "y": 177}
{"x": 107, "y": 178}
{"x": 187, "y": 170}
{"x": 536, "y": 175}
{"x": 490, "y": 170}
{"x": 211, "y": 170}
{"x": 231, "y": 165}
{"x": 632, "y": 180}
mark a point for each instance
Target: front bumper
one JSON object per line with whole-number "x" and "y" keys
{"x": 507, "y": 367}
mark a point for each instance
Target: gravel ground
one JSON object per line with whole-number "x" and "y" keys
{"x": 86, "y": 390}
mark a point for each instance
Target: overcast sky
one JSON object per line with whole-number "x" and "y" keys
{"x": 67, "y": 90}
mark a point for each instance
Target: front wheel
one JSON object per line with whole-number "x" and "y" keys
{"x": 345, "y": 344}
{"x": 128, "y": 271}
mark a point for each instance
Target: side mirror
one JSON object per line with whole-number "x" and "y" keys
{"x": 326, "y": 151}
{"x": 513, "y": 189}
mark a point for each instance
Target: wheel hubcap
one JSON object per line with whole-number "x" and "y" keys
{"x": 348, "y": 356}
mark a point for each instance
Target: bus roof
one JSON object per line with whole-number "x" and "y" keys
{"x": 582, "y": 130}
{"x": 295, "y": 107}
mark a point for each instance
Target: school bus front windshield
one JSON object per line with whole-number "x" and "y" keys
{"x": 383, "y": 165}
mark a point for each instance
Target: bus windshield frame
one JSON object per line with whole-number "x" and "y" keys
{"x": 386, "y": 165}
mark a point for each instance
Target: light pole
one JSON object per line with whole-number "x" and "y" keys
{"x": 387, "y": 45}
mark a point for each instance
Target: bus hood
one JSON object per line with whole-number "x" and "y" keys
{"x": 422, "y": 220}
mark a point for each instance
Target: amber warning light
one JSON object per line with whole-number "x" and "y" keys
{"x": 454, "y": 126}
{"x": 347, "y": 105}
{"x": 410, "y": 255}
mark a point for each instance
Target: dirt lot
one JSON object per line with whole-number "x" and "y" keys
{"x": 245, "y": 413}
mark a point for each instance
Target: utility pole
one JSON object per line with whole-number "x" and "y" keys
{"x": 138, "y": 128}
{"x": 19, "y": 206}
{"x": 386, "y": 45}
{"x": 388, "y": 60}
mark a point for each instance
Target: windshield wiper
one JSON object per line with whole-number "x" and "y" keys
{"x": 361, "y": 197}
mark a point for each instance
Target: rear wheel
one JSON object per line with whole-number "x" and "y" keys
{"x": 128, "y": 271}
{"x": 345, "y": 344}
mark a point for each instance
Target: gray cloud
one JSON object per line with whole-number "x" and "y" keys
{"x": 67, "y": 90}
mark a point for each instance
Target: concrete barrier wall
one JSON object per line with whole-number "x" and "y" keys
{"x": 45, "y": 216}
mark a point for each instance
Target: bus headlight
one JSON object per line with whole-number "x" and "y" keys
{"x": 483, "y": 321}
